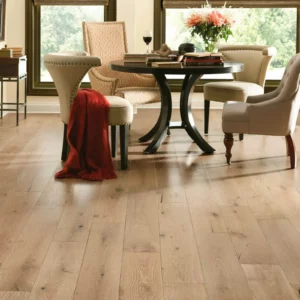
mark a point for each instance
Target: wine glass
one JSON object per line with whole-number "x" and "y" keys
{"x": 147, "y": 37}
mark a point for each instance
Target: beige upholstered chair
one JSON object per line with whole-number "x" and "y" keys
{"x": 108, "y": 41}
{"x": 67, "y": 70}
{"x": 274, "y": 113}
{"x": 250, "y": 82}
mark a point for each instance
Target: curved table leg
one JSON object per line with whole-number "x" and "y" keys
{"x": 165, "y": 114}
{"x": 152, "y": 132}
{"x": 186, "y": 113}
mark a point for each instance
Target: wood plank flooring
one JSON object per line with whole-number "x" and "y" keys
{"x": 177, "y": 225}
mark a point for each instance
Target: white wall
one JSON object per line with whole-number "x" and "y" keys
{"x": 14, "y": 37}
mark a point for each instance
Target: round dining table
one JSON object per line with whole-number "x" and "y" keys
{"x": 192, "y": 74}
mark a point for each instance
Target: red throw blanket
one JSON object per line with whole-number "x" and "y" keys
{"x": 90, "y": 156}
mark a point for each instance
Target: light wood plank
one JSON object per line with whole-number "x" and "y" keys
{"x": 46, "y": 214}
{"x": 223, "y": 274}
{"x": 249, "y": 242}
{"x": 227, "y": 192}
{"x": 20, "y": 270}
{"x": 58, "y": 187}
{"x": 34, "y": 164}
{"x": 142, "y": 230}
{"x": 78, "y": 214}
{"x": 99, "y": 277}
{"x": 54, "y": 198}
{"x": 169, "y": 180}
{"x": 295, "y": 220}
{"x": 59, "y": 273}
{"x": 142, "y": 175}
{"x": 141, "y": 277}
{"x": 296, "y": 289}
{"x": 205, "y": 213}
{"x": 14, "y": 295}
{"x": 15, "y": 210}
{"x": 34, "y": 178}
{"x": 268, "y": 282}
{"x": 285, "y": 242}
{"x": 111, "y": 205}
{"x": 180, "y": 261}
{"x": 271, "y": 204}
{"x": 185, "y": 291}
{"x": 172, "y": 194}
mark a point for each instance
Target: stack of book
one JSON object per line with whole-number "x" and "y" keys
{"x": 167, "y": 64}
{"x": 138, "y": 58}
{"x": 145, "y": 58}
{"x": 152, "y": 60}
{"x": 203, "y": 59}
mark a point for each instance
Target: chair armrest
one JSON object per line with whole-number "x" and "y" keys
{"x": 272, "y": 117}
{"x": 102, "y": 84}
{"x": 269, "y": 51}
{"x": 151, "y": 78}
{"x": 137, "y": 80}
{"x": 263, "y": 97}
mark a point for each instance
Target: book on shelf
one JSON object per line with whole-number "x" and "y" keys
{"x": 167, "y": 64}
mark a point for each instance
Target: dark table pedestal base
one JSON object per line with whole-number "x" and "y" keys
{"x": 159, "y": 131}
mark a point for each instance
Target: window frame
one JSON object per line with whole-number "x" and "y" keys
{"x": 32, "y": 44}
{"x": 159, "y": 38}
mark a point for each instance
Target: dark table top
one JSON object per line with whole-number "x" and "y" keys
{"x": 229, "y": 67}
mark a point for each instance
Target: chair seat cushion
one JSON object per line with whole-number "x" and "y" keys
{"x": 120, "y": 112}
{"x": 139, "y": 95}
{"x": 235, "y": 118}
{"x": 231, "y": 90}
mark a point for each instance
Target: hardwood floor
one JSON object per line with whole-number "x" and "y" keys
{"x": 177, "y": 225}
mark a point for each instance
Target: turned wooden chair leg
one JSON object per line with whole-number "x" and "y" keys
{"x": 228, "y": 142}
{"x": 113, "y": 140}
{"x": 241, "y": 136}
{"x": 206, "y": 115}
{"x": 287, "y": 146}
{"x": 124, "y": 132}
{"x": 291, "y": 150}
{"x": 65, "y": 146}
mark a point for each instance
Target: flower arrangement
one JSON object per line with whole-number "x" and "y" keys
{"x": 212, "y": 25}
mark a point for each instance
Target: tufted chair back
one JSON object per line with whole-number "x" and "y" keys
{"x": 280, "y": 112}
{"x": 67, "y": 69}
{"x": 256, "y": 61}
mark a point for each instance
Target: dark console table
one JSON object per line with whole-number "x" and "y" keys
{"x": 13, "y": 70}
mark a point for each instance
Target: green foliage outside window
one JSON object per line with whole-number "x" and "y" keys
{"x": 61, "y": 28}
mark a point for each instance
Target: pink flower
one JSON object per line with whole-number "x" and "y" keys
{"x": 216, "y": 18}
{"x": 193, "y": 20}
{"x": 229, "y": 21}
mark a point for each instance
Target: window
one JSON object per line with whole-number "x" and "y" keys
{"x": 277, "y": 25}
{"x": 261, "y": 26}
{"x": 52, "y": 28}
